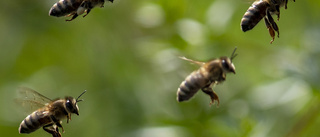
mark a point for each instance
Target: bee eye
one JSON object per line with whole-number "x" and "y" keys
{"x": 225, "y": 64}
{"x": 69, "y": 105}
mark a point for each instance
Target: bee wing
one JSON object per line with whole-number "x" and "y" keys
{"x": 30, "y": 99}
{"x": 193, "y": 61}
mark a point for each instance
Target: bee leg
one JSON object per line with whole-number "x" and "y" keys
{"x": 59, "y": 125}
{"x": 278, "y": 10}
{"x": 54, "y": 131}
{"x": 68, "y": 118}
{"x": 73, "y": 17}
{"x": 88, "y": 6}
{"x": 285, "y": 5}
{"x": 270, "y": 29}
{"x": 274, "y": 24}
{"x": 88, "y": 10}
{"x": 102, "y": 3}
{"x": 57, "y": 133}
{"x": 57, "y": 122}
{"x": 49, "y": 128}
{"x": 214, "y": 97}
{"x": 221, "y": 78}
{"x": 70, "y": 15}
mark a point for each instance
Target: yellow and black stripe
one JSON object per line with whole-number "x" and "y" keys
{"x": 34, "y": 121}
{"x": 64, "y": 7}
{"x": 190, "y": 86}
{"x": 253, "y": 15}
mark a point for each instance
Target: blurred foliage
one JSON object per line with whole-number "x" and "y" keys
{"x": 126, "y": 56}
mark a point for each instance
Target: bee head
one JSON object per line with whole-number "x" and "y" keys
{"x": 227, "y": 64}
{"x": 71, "y": 104}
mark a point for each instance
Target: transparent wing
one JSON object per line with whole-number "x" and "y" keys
{"x": 193, "y": 61}
{"x": 30, "y": 100}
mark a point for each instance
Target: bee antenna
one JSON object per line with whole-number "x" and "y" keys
{"x": 78, "y": 100}
{"x": 233, "y": 55}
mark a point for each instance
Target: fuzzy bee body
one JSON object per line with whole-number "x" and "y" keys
{"x": 210, "y": 73}
{"x": 263, "y": 9}
{"x": 74, "y": 8}
{"x": 191, "y": 85}
{"x": 42, "y": 117}
{"x": 253, "y": 15}
{"x": 64, "y": 7}
{"x": 50, "y": 115}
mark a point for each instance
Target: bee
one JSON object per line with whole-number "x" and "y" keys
{"x": 49, "y": 113}
{"x": 209, "y": 74}
{"x": 74, "y": 8}
{"x": 263, "y": 9}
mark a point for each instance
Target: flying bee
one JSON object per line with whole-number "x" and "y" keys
{"x": 49, "y": 113}
{"x": 209, "y": 74}
{"x": 74, "y": 8}
{"x": 263, "y": 9}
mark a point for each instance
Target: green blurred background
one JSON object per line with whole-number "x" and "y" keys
{"x": 126, "y": 56}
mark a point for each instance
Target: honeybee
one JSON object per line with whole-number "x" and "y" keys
{"x": 263, "y": 9}
{"x": 49, "y": 113}
{"x": 209, "y": 74}
{"x": 74, "y": 8}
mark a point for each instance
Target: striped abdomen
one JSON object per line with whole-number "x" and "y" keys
{"x": 64, "y": 7}
{"x": 191, "y": 85}
{"x": 34, "y": 121}
{"x": 253, "y": 15}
